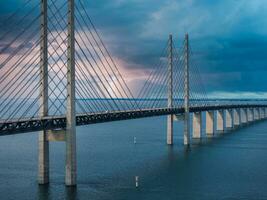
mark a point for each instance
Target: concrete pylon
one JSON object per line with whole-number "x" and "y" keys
{"x": 253, "y": 113}
{"x": 186, "y": 95}
{"x": 220, "y": 120}
{"x": 229, "y": 119}
{"x": 71, "y": 173}
{"x": 246, "y": 111}
{"x": 256, "y": 113}
{"x": 250, "y": 115}
{"x": 236, "y": 115}
{"x": 262, "y": 113}
{"x": 244, "y": 117}
{"x": 170, "y": 94}
{"x": 197, "y": 125}
{"x": 210, "y": 123}
{"x": 43, "y": 144}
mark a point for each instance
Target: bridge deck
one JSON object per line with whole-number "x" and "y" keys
{"x": 59, "y": 122}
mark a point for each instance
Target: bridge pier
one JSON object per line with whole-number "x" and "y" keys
{"x": 253, "y": 113}
{"x": 220, "y": 121}
{"x": 197, "y": 125}
{"x": 210, "y": 123}
{"x": 244, "y": 117}
{"x": 236, "y": 117}
{"x": 250, "y": 115}
{"x": 262, "y": 113}
{"x": 229, "y": 118}
{"x": 43, "y": 159}
{"x": 170, "y": 129}
{"x": 256, "y": 113}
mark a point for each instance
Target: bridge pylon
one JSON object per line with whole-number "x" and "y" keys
{"x": 43, "y": 167}
{"x": 186, "y": 94}
{"x": 69, "y": 134}
{"x": 71, "y": 168}
{"x": 170, "y": 91}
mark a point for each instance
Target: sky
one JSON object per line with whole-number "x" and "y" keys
{"x": 228, "y": 38}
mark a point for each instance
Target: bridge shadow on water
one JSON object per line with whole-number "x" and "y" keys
{"x": 44, "y": 193}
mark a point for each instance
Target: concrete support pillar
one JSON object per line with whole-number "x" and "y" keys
{"x": 253, "y": 114}
{"x": 250, "y": 115}
{"x": 256, "y": 113}
{"x": 210, "y": 123}
{"x": 186, "y": 95}
{"x": 43, "y": 158}
{"x": 229, "y": 118}
{"x": 246, "y": 113}
{"x": 170, "y": 129}
{"x": 244, "y": 117}
{"x": 261, "y": 113}
{"x": 236, "y": 114}
{"x": 43, "y": 144}
{"x": 197, "y": 125}
{"x": 170, "y": 93}
{"x": 220, "y": 121}
{"x": 70, "y": 178}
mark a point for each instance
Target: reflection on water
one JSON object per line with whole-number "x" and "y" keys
{"x": 44, "y": 192}
{"x": 229, "y": 166}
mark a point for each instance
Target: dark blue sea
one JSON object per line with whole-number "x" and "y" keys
{"x": 232, "y": 165}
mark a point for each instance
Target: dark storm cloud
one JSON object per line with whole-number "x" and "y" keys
{"x": 10, "y": 50}
{"x": 227, "y": 36}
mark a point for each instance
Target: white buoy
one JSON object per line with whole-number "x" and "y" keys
{"x": 136, "y": 181}
{"x": 134, "y": 140}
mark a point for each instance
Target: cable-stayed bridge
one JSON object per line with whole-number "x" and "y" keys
{"x": 56, "y": 73}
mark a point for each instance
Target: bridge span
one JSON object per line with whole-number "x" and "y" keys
{"x": 59, "y": 122}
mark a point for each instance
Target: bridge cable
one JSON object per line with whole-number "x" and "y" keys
{"x": 21, "y": 21}
{"x": 62, "y": 50}
{"x": 107, "y": 71}
{"x": 146, "y": 89}
{"x": 18, "y": 36}
{"x": 88, "y": 60}
{"x": 127, "y": 88}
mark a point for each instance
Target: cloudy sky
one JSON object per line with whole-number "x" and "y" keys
{"x": 228, "y": 38}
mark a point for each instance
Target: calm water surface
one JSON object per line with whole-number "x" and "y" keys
{"x": 232, "y": 166}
